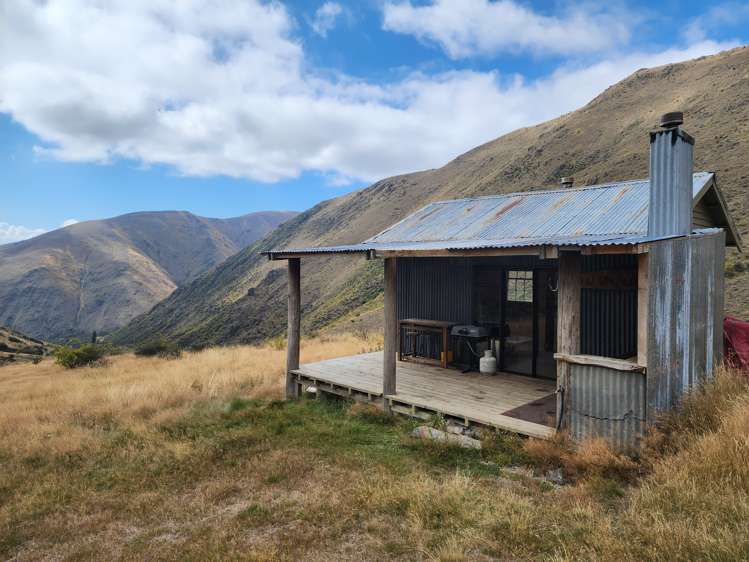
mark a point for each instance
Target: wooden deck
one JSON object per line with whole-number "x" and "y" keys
{"x": 424, "y": 390}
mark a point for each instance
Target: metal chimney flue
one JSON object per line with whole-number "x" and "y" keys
{"x": 673, "y": 119}
{"x": 671, "y": 164}
{"x": 566, "y": 182}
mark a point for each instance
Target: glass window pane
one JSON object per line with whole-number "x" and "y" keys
{"x": 520, "y": 286}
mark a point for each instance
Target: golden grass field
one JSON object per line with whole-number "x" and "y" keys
{"x": 41, "y": 401}
{"x": 196, "y": 458}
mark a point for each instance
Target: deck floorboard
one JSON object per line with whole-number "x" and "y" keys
{"x": 472, "y": 397}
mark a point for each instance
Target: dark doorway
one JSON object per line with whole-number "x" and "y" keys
{"x": 546, "y": 323}
{"x": 517, "y": 334}
{"x": 529, "y": 323}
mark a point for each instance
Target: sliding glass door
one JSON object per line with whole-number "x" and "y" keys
{"x": 519, "y": 308}
{"x": 517, "y": 333}
{"x": 529, "y": 327}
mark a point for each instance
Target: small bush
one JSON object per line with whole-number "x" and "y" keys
{"x": 159, "y": 348}
{"x": 278, "y": 343}
{"x": 108, "y": 348}
{"x": 86, "y": 355}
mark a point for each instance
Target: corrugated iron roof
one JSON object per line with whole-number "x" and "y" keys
{"x": 613, "y": 213}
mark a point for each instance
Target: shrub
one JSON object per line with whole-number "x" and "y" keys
{"x": 86, "y": 355}
{"x": 159, "y": 348}
{"x": 278, "y": 343}
{"x": 108, "y": 348}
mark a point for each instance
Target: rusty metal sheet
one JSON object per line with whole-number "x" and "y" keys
{"x": 614, "y": 213}
{"x": 597, "y": 211}
{"x": 602, "y": 402}
{"x": 686, "y": 320}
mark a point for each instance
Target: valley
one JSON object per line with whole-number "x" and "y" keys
{"x": 98, "y": 275}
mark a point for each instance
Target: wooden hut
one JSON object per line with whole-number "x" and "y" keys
{"x": 602, "y": 304}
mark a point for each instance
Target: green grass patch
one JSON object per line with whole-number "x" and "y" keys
{"x": 254, "y": 513}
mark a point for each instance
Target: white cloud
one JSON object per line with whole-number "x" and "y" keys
{"x": 724, "y": 16}
{"x": 223, "y": 88}
{"x": 14, "y": 233}
{"x": 325, "y": 18}
{"x": 465, "y": 28}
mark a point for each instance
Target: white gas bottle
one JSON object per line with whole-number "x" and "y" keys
{"x": 488, "y": 363}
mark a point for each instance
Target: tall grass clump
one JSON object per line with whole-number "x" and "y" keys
{"x": 694, "y": 504}
{"x": 703, "y": 410}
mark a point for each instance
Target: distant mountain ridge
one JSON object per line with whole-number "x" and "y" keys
{"x": 97, "y": 275}
{"x": 243, "y": 300}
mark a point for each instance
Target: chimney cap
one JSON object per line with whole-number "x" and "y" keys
{"x": 672, "y": 119}
{"x": 566, "y": 181}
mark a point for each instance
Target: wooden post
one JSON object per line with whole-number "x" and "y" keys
{"x": 643, "y": 296}
{"x": 292, "y": 349}
{"x": 391, "y": 333}
{"x": 568, "y": 321}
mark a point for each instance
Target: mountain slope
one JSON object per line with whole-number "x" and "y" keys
{"x": 97, "y": 275}
{"x": 244, "y": 298}
{"x": 15, "y": 347}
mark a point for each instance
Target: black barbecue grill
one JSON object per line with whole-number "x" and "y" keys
{"x": 468, "y": 337}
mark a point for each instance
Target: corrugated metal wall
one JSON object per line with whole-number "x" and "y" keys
{"x": 435, "y": 289}
{"x": 442, "y": 289}
{"x": 684, "y": 327}
{"x": 604, "y": 402}
{"x": 671, "y": 162}
{"x": 608, "y": 322}
{"x": 686, "y": 316}
{"x": 608, "y": 316}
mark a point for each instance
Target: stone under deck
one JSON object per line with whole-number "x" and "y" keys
{"x": 517, "y": 403}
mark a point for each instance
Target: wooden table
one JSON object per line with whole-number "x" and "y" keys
{"x": 440, "y": 327}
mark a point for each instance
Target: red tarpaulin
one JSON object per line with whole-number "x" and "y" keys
{"x": 736, "y": 339}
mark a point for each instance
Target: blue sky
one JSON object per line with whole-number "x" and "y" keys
{"x": 224, "y": 108}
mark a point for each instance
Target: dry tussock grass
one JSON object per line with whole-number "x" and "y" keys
{"x": 695, "y": 503}
{"x": 592, "y": 458}
{"x": 163, "y": 460}
{"x": 47, "y": 407}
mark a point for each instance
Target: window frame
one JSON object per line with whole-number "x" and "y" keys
{"x": 519, "y": 285}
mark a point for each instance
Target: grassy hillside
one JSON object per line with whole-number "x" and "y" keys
{"x": 195, "y": 459}
{"x": 16, "y": 347}
{"x": 97, "y": 275}
{"x": 243, "y": 300}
